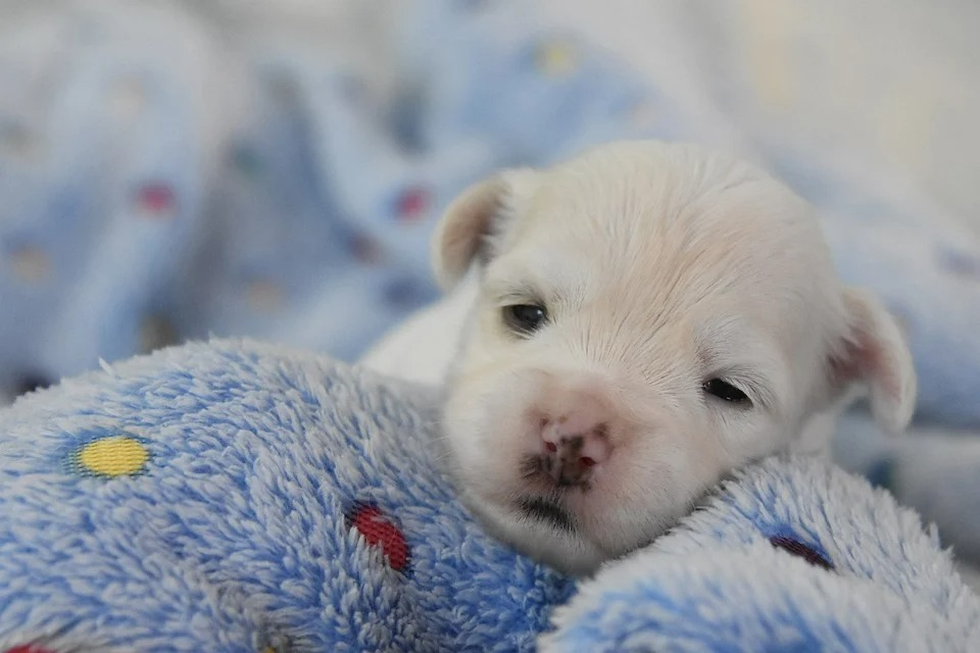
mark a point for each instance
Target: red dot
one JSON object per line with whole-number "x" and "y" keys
{"x": 28, "y": 648}
{"x": 156, "y": 199}
{"x": 411, "y": 204}
{"x": 797, "y": 548}
{"x": 378, "y": 531}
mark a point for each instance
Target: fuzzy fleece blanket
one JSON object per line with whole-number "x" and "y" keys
{"x": 238, "y": 497}
{"x": 168, "y": 172}
{"x": 174, "y": 170}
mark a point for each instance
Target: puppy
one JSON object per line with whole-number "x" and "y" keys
{"x": 644, "y": 318}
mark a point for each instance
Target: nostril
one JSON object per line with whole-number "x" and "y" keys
{"x": 586, "y": 461}
{"x": 551, "y": 446}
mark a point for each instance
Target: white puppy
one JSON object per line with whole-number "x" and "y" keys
{"x": 647, "y": 317}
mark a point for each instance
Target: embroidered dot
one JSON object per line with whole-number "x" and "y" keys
{"x": 556, "y": 58}
{"x": 411, "y": 204}
{"x": 17, "y": 140}
{"x": 379, "y": 531}
{"x": 112, "y": 456}
{"x": 246, "y": 160}
{"x": 156, "y": 200}
{"x": 366, "y": 249}
{"x": 801, "y": 550}
{"x": 264, "y": 296}
{"x": 30, "y": 264}
{"x": 127, "y": 98}
{"x": 960, "y": 263}
{"x": 157, "y": 332}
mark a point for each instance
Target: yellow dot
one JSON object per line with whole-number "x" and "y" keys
{"x": 556, "y": 58}
{"x": 30, "y": 264}
{"x": 113, "y": 456}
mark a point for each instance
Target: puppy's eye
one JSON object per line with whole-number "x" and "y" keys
{"x": 726, "y": 391}
{"x": 524, "y": 318}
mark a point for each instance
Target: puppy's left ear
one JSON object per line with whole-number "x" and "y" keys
{"x": 472, "y": 219}
{"x": 873, "y": 353}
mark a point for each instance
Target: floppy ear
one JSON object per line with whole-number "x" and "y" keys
{"x": 462, "y": 232}
{"x": 874, "y": 354}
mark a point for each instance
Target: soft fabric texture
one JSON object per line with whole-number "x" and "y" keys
{"x": 174, "y": 170}
{"x": 184, "y": 169}
{"x": 235, "y": 496}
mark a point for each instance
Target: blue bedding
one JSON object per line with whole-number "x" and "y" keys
{"x": 163, "y": 181}
{"x": 239, "y": 497}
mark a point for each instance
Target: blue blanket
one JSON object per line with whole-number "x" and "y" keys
{"x": 164, "y": 178}
{"x": 239, "y": 497}
{"x": 177, "y": 179}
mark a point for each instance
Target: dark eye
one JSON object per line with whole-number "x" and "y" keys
{"x": 726, "y": 391}
{"x": 524, "y": 318}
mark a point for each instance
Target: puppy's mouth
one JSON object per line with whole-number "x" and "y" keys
{"x": 546, "y": 510}
{"x": 541, "y": 471}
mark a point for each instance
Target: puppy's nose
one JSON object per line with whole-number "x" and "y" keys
{"x": 574, "y": 442}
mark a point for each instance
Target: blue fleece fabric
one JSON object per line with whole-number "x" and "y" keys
{"x": 239, "y": 497}
{"x": 176, "y": 181}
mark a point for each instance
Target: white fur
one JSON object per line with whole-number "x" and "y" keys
{"x": 661, "y": 266}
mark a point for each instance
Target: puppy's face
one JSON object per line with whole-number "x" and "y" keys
{"x": 649, "y": 317}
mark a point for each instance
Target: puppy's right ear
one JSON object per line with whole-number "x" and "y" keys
{"x": 462, "y": 233}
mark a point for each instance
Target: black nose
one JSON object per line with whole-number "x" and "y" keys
{"x": 564, "y": 463}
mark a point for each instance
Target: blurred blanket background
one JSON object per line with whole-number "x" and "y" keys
{"x": 174, "y": 170}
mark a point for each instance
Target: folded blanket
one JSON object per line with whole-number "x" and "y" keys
{"x": 168, "y": 174}
{"x": 239, "y": 497}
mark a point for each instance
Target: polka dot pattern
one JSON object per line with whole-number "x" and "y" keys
{"x": 30, "y": 264}
{"x": 111, "y": 457}
{"x": 156, "y": 200}
{"x": 797, "y": 548}
{"x": 960, "y": 262}
{"x": 18, "y": 141}
{"x": 264, "y": 296}
{"x": 379, "y": 531}
{"x": 556, "y": 58}
{"x": 411, "y": 204}
{"x": 247, "y": 161}
{"x": 366, "y": 249}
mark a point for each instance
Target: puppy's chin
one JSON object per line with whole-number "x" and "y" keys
{"x": 539, "y": 529}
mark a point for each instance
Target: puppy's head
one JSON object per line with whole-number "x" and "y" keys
{"x": 649, "y": 317}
